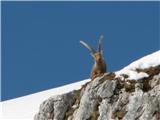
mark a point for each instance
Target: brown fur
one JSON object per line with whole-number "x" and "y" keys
{"x": 99, "y": 67}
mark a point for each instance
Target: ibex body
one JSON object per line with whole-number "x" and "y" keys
{"x": 99, "y": 67}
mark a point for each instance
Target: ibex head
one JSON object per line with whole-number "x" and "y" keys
{"x": 97, "y": 55}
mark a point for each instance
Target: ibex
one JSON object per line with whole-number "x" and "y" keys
{"x": 99, "y": 67}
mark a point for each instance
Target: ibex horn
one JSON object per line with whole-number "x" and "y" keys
{"x": 100, "y": 43}
{"x": 88, "y": 47}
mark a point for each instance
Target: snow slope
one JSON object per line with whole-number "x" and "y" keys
{"x": 27, "y": 106}
{"x": 148, "y": 61}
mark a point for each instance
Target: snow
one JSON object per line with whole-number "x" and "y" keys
{"x": 148, "y": 61}
{"x": 24, "y": 108}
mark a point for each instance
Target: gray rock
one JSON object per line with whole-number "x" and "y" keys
{"x": 55, "y": 107}
{"x": 104, "y": 99}
{"x": 92, "y": 97}
{"x": 105, "y": 110}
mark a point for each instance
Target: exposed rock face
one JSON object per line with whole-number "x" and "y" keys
{"x": 55, "y": 107}
{"x": 108, "y": 98}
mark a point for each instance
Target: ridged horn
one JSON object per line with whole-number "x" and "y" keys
{"x": 88, "y": 47}
{"x": 100, "y": 43}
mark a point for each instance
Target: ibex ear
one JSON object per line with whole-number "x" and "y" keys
{"x": 100, "y": 44}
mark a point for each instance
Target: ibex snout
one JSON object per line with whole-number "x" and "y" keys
{"x": 99, "y": 68}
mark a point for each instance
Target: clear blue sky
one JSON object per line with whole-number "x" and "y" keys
{"x": 40, "y": 40}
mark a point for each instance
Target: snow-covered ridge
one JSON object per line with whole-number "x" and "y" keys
{"x": 148, "y": 61}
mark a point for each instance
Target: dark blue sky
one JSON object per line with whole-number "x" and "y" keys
{"x": 40, "y": 40}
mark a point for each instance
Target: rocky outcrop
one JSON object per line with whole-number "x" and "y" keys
{"x": 55, "y": 107}
{"x": 108, "y": 98}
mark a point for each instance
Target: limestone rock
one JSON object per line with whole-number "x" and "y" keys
{"x": 106, "y": 98}
{"x": 55, "y": 107}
